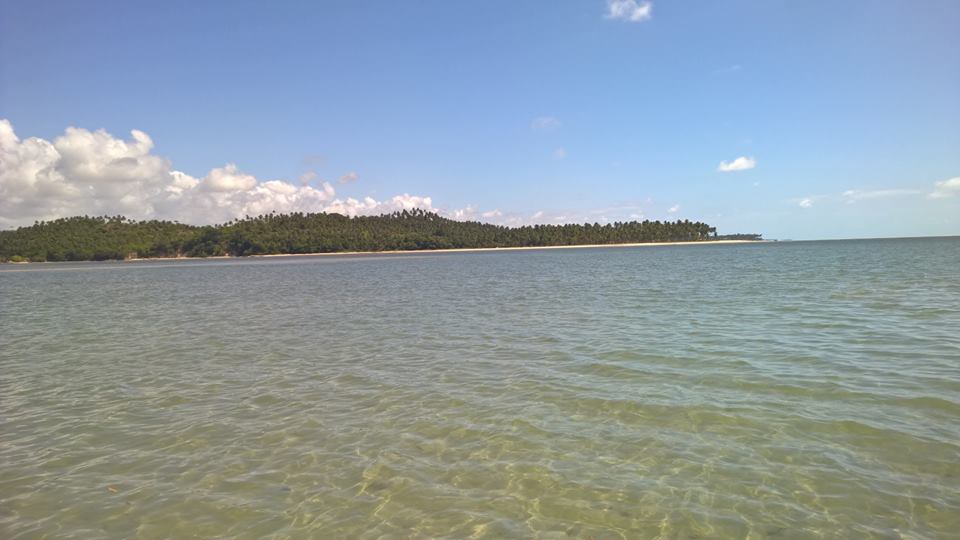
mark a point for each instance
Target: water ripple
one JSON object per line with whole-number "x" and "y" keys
{"x": 802, "y": 390}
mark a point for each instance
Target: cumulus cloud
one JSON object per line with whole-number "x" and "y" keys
{"x": 946, "y": 188}
{"x": 625, "y": 212}
{"x": 464, "y": 214}
{"x": 227, "y": 179}
{"x": 371, "y": 207}
{"x": 742, "y": 163}
{"x": 674, "y": 209}
{"x": 545, "y": 123}
{"x": 805, "y": 202}
{"x": 351, "y": 176}
{"x": 472, "y": 213}
{"x": 629, "y": 10}
{"x": 496, "y": 216}
{"x": 94, "y": 173}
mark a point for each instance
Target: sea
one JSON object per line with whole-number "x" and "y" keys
{"x": 781, "y": 390}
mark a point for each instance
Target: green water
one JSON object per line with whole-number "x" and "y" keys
{"x": 784, "y": 391}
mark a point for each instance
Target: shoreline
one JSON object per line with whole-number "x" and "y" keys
{"x": 416, "y": 251}
{"x": 459, "y": 250}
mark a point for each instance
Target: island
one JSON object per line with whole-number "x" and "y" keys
{"x": 86, "y": 238}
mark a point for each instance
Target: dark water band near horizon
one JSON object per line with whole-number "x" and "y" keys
{"x": 774, "y": 390}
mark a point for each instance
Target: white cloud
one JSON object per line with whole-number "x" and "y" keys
{"x": 560, "y": 153}
{"x": 496, "y": 216}
{"x": 351, "y": 176}
{"x": 545, "y": 123}
{"x": 604, "y": 215}
{"x": 228, "y": 179}
{"x": 464, "y": 214}
{"x": 854, "y": 195}
{"x": 371, "y": 207}
{"x": 946, "y": 188}
{"x": 674, "y": 209}
{"x": 629, "y": 10}
{"x": 93, "y": 173}
{"x": 742, "y": 163}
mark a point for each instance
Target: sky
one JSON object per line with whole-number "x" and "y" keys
{"x": 794, "y": 119}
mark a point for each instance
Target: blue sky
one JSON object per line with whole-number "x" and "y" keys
{"x": 512, "y": 112}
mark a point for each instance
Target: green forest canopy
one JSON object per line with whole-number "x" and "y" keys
{"x": 102, "y": 238}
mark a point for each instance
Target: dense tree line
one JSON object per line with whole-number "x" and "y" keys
{"x": 101, "y": 238}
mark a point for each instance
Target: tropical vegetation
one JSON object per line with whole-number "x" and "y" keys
{"x": 102, "y": 238}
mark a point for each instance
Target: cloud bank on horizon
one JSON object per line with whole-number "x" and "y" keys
{"x": 86, "y": 172}
{"x": 944, "y": 189}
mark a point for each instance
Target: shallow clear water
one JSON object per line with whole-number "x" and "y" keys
{"x": 791, "y": 390}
